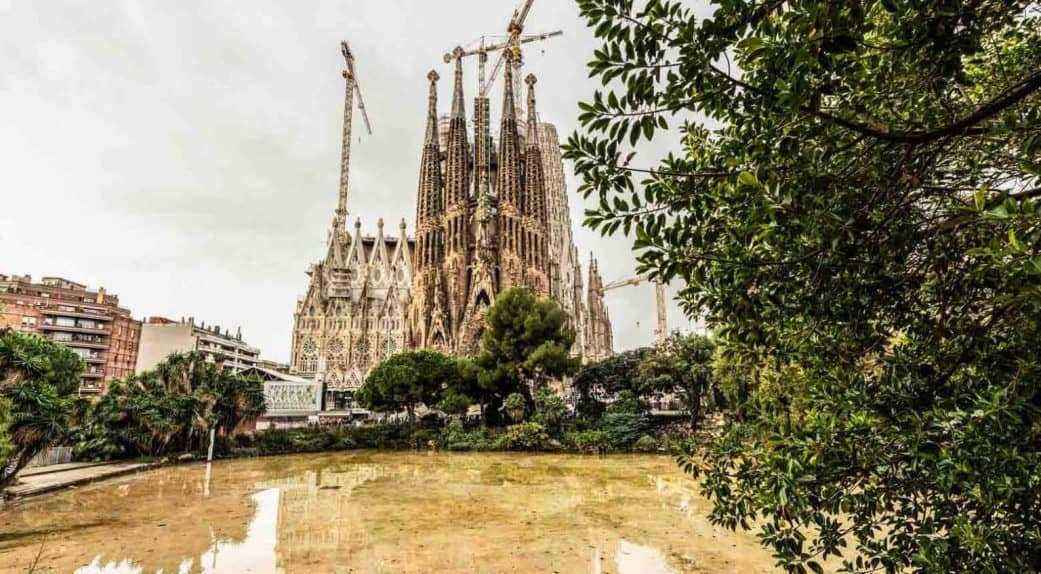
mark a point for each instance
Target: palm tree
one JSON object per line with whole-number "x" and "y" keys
{"x": 39, "y": 379}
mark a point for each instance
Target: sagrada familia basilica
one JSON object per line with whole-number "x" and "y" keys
{"x": 492, "y": 213}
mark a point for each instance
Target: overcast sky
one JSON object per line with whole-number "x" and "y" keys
{"x": 185, "y": 155}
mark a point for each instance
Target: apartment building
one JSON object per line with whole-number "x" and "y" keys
{"x": 89, "y": 322}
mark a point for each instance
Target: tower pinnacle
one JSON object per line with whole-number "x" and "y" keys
{"x": 458, "y": 108}
{"x": 431, "y": 134}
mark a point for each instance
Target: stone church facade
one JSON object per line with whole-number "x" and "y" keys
{"x": 492, "y": 213}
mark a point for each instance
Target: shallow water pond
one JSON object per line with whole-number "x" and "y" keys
{"x": 381, "y": 512}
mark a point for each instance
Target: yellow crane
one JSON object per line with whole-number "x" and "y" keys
{"x": 659, "y": 293}
{"x": 350, "y": 89}
{"x": 513, "y": 41}
{"x": 483, "y": 49}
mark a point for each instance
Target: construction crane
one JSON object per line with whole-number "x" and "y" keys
{"x": 513, "y": 42}
{"x": 350, "y": 89}
{"x": 483, "y": 49}
{"x": 659, "y": 293}
{"x": 514, "y": 29}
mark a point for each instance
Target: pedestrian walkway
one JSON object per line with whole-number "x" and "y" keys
{"x": 40, "y": 480}
{"x": 56, "y": 468}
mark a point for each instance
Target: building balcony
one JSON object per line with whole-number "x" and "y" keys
{"x": 52, "y": 312}
{"x": 94, "y": 360}
{"x": 65, "y": 329}
{"x": 91, "y": 375}
{"x": 83, "y": 344}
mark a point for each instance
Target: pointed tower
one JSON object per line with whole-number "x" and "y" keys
{"x": 424, "y": 330}
{"x": 513, "y": 247}
{"x": 535, "y": 214}
{"x": 599, "y": 339}
{"x": 457, "y": 203}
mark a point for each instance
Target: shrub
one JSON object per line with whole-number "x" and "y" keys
{"x": 550, "y": 409}
{"x": 647, "y": 443}
{"x": 622, "y": 429}
{"x": 423, "y": 438}
{"x": 587, "y": 441}
{"x": 456, "y": 437}
{"x": 524, "y": 436}
{"x": 515, "y": 407}
{"x": 274, "y": 442}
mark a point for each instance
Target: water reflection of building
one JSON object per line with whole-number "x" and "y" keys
{"x": 319, "y": 529}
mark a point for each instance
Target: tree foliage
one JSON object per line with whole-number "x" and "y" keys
{"x": 526, "y": 342}
{"x": 38, "y": 384}
{"x": 614, "y": 374}
{"x": 682, "y": 366}
{"x": 171, "y": 408}
{"x": 854, "y": 200}
{"x": 406, "y": 380}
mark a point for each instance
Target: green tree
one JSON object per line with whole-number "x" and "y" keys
{"x": 550, "y": 408}
{"x": 515, "y": 406}
{"x": 854, "y": 200}
{"x": 6, "y": 418}
{"x": 463, "y": 389}
{"x": 682, "y": 366}
{"x": 38, "y": 383}
{"x": 406, "y": 380}
{"x": 525, "y": 343}
{"x": 617, "y": 373}
{"x": 168, "y": 409}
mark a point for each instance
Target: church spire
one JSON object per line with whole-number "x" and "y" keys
{"x": 536, "y": 217}
{"x": 534, "y": 184}
{"x": 430, "y": 204}
{"x": 458, "y": 108}
{"x": 508, "y": 180}
{"x": 457, "y": 149}
{"x": 431, "y": 134}
{"x": 430, "y": 163}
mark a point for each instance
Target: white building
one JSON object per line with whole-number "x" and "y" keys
{"x": 160, "y": 337}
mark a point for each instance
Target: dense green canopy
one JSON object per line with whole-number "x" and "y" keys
{"x": 406, "y": 380}
{"x": 171, "y": 408}
{"x": 526, "y": 342}
{"x": 853, "y": 197}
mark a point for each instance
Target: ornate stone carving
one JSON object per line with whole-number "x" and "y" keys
{"x": 371, "y": 296}
{"x": 290, "y": 396}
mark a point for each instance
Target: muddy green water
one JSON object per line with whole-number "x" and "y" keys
{"x": 381, "y": 512}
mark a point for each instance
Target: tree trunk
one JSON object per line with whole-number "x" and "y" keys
{"x": 9, "y": 473}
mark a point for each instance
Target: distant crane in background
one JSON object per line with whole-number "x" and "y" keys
{"x": 659, "y": 293}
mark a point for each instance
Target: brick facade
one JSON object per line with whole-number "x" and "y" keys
{"x": 90, "y": 322}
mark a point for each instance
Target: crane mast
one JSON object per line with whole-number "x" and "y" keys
{"x": 482, "y": 51}
{"x": 350, "y": 88}
{"x": 659, "y": 295}
{"x": 513, "y": 42}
